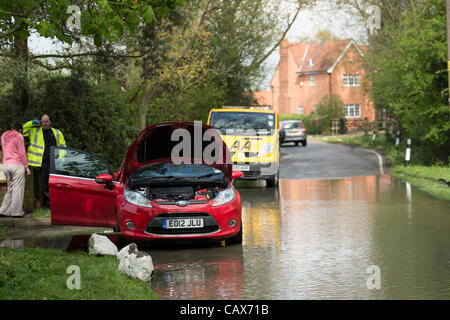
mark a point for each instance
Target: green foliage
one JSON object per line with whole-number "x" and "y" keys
{"x": 241, "y": 33}
{"x": 96, "y": 118}
{"x": 41, "y": 213}
{"x": 312, "y": 122}
{"x": 329, "y": 108}
{"x": 410, "y": 59}
{"x": 289, "y": 116}
{"x": 190, "y": 105}
{"x": 99, "y": 18}
{"x": 93, "y": 118}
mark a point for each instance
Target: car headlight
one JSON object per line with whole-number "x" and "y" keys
{"x": 266, "y": 149}
{"x": 136, "y": 198}
{"x": 223, "y": 197}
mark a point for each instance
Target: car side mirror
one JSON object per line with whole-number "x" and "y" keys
{"x": 236, "y": 175}
{"x": 105, "y": 178}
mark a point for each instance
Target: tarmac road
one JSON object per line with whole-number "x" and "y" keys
{"x": 319, "y": 160}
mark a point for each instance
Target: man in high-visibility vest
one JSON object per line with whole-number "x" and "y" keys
{"x": 42, "y": 137}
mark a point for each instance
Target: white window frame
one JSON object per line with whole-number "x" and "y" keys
{"x": 352, "y": 110}
{"x": 351, "y": 80}
{"x": 345, "y": 80}
{"x": 312, "y": 80}
{"x": 299, "y": 109}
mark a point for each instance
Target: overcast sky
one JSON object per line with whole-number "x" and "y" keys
{"x": 325, "y": 16}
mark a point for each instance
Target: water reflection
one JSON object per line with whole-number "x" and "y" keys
{"x": 65, "y": 242}
{"x": 320, "y": 239}
{"x": 326, "y": 228}
{"x": 328, "y": 232}
{"x": 210, "y": 272}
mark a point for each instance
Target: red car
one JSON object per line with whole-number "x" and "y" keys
{"x": 153, "y": 195}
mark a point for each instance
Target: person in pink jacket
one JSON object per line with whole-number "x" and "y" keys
{"x": 15, "y": 165}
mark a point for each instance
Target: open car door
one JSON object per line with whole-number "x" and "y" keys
{"x": 76, "y": 199}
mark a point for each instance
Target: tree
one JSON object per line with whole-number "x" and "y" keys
{"x": 330, "y": 108}
{"x": 408, "y": 62}
{"x": 216, "y": 44}
{"x": 243, "y": 35}
{"x": 173, "y": 63}
{"x": 410, "y": 57}
{"x": 326, "y": 35}
{"x": 100, "y": 19}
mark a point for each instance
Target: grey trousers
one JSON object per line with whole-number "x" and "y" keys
{"x": 12, "y": 204}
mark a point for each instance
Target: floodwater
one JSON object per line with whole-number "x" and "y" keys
{"x": 369, "y": 237}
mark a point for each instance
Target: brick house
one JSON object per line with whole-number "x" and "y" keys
{"x": 309, "y": 70}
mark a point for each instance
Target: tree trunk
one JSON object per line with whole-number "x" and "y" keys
{"x": 143, "y": 113}
{"x": 145, "y": 102}
{"x": 20, "y": 94}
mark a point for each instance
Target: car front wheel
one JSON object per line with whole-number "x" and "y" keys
{"x": 236, "y": 239}
{"x": 272, "y": 182}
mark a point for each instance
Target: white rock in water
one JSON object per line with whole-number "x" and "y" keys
{"x": 136, "y": 264}
{"x": 101, "y": 245}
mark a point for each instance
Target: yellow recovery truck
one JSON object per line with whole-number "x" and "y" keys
{"x": 251, "y": 134}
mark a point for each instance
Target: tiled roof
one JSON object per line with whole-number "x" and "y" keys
{"x": 321, "y": 56}
{"x": 298, "y": 51}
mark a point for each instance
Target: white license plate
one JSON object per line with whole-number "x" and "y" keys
{"x": 241, "y": 167}
{"x": 182, "y": 223}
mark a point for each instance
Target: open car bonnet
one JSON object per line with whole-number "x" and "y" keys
{"x": 178, "y": 142}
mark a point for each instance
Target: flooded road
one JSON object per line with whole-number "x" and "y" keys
{"x": 317, "y": 236}
{"x": 355, "y": 238}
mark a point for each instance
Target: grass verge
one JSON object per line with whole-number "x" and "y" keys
{"x": 425, "y": 179}
{"x": 41, "y": 213}
{"x": 28, "y": 274}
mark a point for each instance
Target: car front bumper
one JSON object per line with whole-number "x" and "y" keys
{"x": 258, "y": 170}
{"x": 149, "y": 221}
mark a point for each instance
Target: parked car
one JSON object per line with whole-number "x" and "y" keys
{"x": 151, "y": 196}
{"x": 294, "y": 131}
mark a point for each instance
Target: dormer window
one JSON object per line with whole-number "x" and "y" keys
{"x": 311, "y": 63}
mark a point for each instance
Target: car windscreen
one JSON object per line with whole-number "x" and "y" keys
{"x": 243, "y": 123}
{"x": 183, "y": 174}
{"x": 293, "y": 125}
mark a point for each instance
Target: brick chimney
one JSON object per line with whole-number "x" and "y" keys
{"x": 284, "y": 98}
